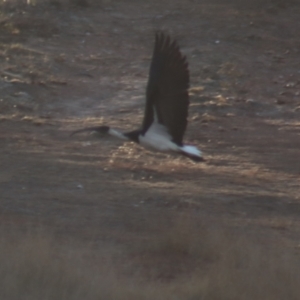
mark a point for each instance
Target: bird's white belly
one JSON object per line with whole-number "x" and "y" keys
{"x": 158, "y": 142}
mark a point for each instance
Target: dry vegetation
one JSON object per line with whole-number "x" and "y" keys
{"x": 184, "y": 261}
{"x": 83, "y": 219}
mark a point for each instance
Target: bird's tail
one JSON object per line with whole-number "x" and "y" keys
{"x": 192, "y": 152}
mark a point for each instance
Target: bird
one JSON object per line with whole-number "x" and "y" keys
{"x": 167, "y": 102}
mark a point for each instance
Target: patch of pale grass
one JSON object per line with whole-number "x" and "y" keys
{"x": 181, "y": 235}
{"x": 38, "y": 266}
{"x": 248, "y": 270}
{"x": 200, "y": 262}
{"x": 176, "y": 248}
{"x": 34, "y": 120}
{"x": 179, "y": 258}
{"x": 32, "y": 267}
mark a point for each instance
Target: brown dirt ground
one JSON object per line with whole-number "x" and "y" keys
{"x": 65, "y": 67}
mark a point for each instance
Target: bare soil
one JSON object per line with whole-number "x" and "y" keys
{"x": 64, "y": 66}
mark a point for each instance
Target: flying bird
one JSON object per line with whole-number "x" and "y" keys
{"x": 167, "y": 102}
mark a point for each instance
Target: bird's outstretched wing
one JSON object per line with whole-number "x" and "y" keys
{"x": 167, "y": 90}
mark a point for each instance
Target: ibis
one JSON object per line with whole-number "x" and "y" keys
{"x": 167, "y": 102}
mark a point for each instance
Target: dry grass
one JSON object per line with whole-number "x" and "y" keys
{"x": 172, "y": 257}
{"x": 181, "y": 261}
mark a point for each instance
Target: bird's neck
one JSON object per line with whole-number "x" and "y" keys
{"x": 132, "y": 135}
{"x": 117, "y": 134}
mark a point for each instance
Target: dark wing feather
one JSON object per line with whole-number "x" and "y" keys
{"x": 167, "y": 90}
